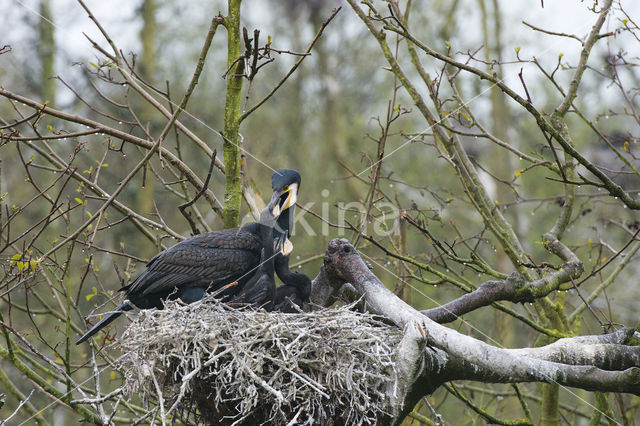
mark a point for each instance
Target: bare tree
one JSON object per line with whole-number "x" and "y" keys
{"x": 71, "y": 219}
{"x": 449, "y": 120}
{"x": 75, "y": 199}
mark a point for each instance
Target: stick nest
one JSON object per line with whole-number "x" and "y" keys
{"x": 218, "y": 365}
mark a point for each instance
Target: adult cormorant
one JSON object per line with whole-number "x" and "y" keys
{"x": 260, "y": 290}
{"x": 295, "y": 287}
{"x": 205, "y": 262}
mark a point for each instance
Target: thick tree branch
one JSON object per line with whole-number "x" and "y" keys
{"x": 606, "y": 356}
{"x": 600, "y": 363}
{"x": 514, "y": 289}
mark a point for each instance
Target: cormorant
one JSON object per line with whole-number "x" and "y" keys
{"x": 295, "y": 290}
{"x": 205, "y": 262}
{"x": 295, "y": 287}
{"x": 284, "y": 223}
{"x": 260, "y": 290}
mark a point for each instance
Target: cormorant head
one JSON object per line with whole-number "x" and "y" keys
{"x": 285, "y": 184}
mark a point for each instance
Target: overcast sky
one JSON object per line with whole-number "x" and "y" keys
{"x": 121, "y": 20}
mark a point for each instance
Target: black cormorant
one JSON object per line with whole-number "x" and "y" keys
{"x": 295, "y": 287}
{"x": 295, "y": 290}
{"x": 260, "y": 290}
{"x": 205, "y": 262}
{"x": 284, "y": 223}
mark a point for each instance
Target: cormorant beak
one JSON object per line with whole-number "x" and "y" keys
{"x": 282, "y": 200}
{"x": 280, "y": 244}
{"x": 274, "y": 205}
{"x": 287, "y": 247}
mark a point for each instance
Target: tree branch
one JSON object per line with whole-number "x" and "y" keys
{"x": 449, "y": 355}
{"x": 168, "y": 155}
{"x": 295, "y": 66}
{"x": 514, "y": 289}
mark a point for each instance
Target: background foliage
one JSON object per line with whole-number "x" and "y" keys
{"x": 337, "y": 115}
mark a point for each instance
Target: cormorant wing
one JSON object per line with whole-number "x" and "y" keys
{"x": 210, "y": 259}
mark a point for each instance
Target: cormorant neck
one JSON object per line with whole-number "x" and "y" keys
{"x": 284, "y": 224}
{"x": 286, "y": 275}
{"x": 300, "y": 282}
{"x": 267, "y": 239}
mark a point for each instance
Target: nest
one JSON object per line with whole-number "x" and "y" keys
{"x": 216, "y": 365}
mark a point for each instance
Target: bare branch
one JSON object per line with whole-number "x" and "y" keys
{"x": 293, "y": 69}
{"x": 182, "y": 207}
{"x": 468, "y": 358}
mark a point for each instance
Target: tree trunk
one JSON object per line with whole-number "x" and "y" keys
{"x": 232, "y": 112}
{"x": 46, "y": 52}
{"x": 147, "y": 71}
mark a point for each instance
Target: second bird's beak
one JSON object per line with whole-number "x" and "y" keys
{"x": 280, "y": 243}
{"x": 287, "y": 247}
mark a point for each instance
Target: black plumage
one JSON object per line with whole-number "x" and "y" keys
{"x": 295, "y": 288}
{"x": 205, "y": 262}
{"x": 260, "y": 290}
{"x": 185, "y": 271}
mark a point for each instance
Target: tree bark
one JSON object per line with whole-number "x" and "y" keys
{"x": 46, "y": 52}
{"x": 232, "y": 117}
